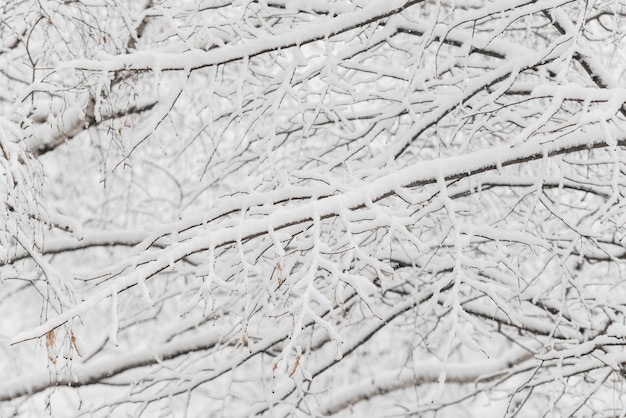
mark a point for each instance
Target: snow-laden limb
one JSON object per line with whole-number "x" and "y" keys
{"x": 19, "y": 189}
{"x": 530, "y": 321}
{"x": 195, "y": 59}
{"x": 47, "y": 137}
{"x": 596, "y": 71}
{"x": 612, "y": 361}
{"x": 476, "y": 85}
{"x": 98, "y": 371}
{"x": 417, "y": 175}
{"x": 421, "y": 373}
{"x": 158, "y": 237}
{"x": 239, "y": 208}
{"x": 88, "y": 239}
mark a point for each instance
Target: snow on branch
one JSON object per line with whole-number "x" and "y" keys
{"x": 292, "y": 208}
{"x": 192, "y": 60}
{"x": 413, "y": 176}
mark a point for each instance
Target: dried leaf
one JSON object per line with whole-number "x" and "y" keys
{"x": 50, "y": 347}
{"x": 295, "y": 366}
{"x": 279, "y": 273}
{"x": 74, "y": 344}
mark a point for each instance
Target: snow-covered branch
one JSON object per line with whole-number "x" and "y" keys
{"x": 300, "y": 208}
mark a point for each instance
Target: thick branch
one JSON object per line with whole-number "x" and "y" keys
{"x": 416, "y": 175}
{"x": 193, "y": 60}
{"x": 424, "y": 372}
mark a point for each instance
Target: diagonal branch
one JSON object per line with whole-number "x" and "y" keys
{"x": 416, "y": 175}
{"x": 78, "y": 125}
{"x": 585, "y": 58}
{"x": 193, "y": 60}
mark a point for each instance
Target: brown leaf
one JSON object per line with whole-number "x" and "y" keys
{"x": 50, "y": 339}
{"x": 73, "y": 340}
{"x": 50, "y": 347}
{"x": 295, "y": 366}
{"x": 279, "y": 273}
